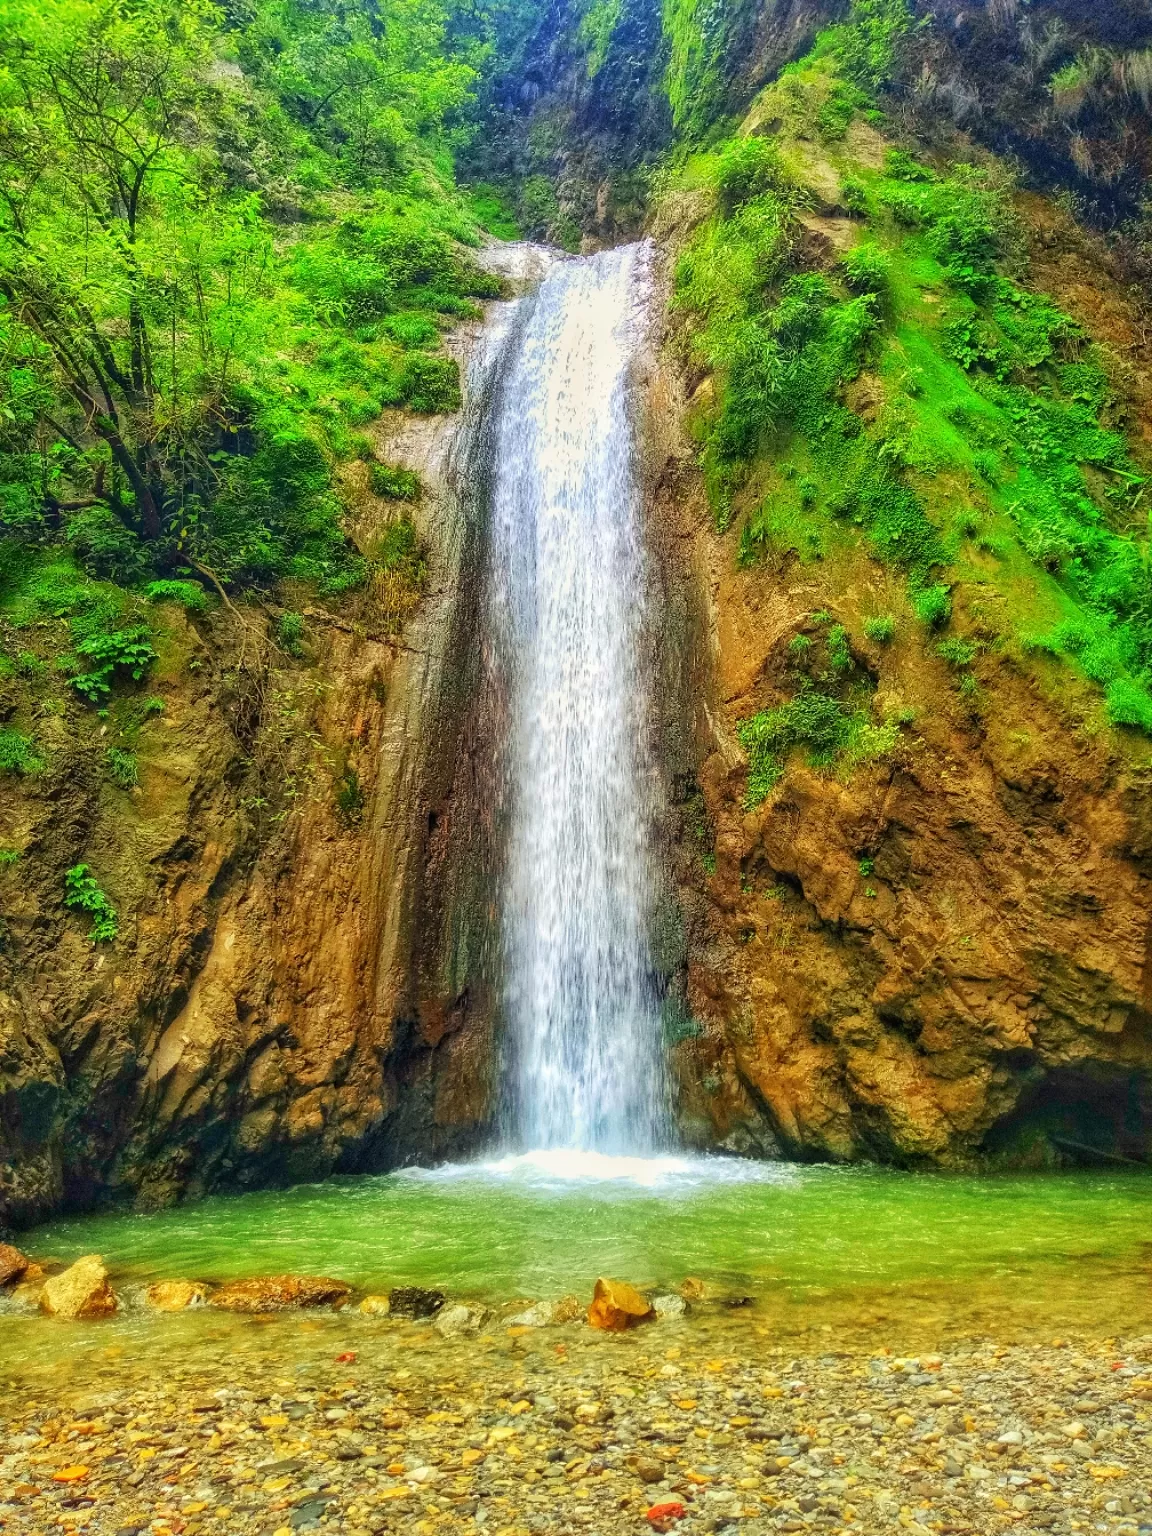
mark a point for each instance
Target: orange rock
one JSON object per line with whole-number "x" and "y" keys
{"x": 274, "y": 1293}
{"x": 13, "y": 1264}
{"x": 692, "y": 1289}
{"x": 70, "y": 1475}
{"x": 175, "y": 1295}
{"x": 662, "y": 1517}
{"x": 80, "y": 1292}
{"x": 617, "y": 1305}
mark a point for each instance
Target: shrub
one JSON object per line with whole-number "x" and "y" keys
{"x": 122, "y": 650}
{"x": 394, "y": 483}
{"x": 123, "y": 768}
{"x": 349, "y": 797}
{"x": 189, "y": 594}
{"x": 854, "y": 196}
{"x": 867, "y": 268}
{"x": 9, "y": 856}
{"x": 1128, "y": 703}
{"x": 431, "y": 384}
{"x": 17, "y": 752}
{"x": 956, "y": 652}
{"x": 82, "y": 894}
{"x": 932, "y": 605}
{"x": 881, "y": 629}
{"x": 747, "y": 169}
{"x": 290, "y": 633}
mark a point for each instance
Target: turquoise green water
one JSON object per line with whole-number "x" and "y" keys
{"x": 529, "y": 1228}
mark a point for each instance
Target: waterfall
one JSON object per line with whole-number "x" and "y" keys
{"x": 567, "y": 609}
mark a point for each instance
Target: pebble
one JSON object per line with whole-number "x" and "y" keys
{"x": 206, "y": 1423}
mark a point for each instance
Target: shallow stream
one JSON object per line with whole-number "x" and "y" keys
{"x": 919, "y": 1258}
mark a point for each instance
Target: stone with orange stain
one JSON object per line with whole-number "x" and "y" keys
{"x": 616, "y": 1305}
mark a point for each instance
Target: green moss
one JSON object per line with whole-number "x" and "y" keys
{"x": 833, "y": 732}
{"x": 123, "y": 769}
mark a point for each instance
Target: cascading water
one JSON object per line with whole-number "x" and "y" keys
{"x": 568, "y": 589}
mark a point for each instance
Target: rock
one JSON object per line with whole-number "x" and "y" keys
{"x": 649, "y": 1471}
{"x": 82, "y": 1292}
{"x": 13, "y": 1264}
{"x": 567, "y": 1309}
{"x": 413, "y": 1301}
{"x": 669, "y": 1306}
{"x": 176, "y": 1295}
{"x": 617, "y": 1305}
{"x": 662, "y": 1517}
{"x": 451, "y": 1322}
{"x": 375, "y": 1306}
{"x": 275, "y": 1293}
{"x": 692, "y": 1289}
{"x": 540, "y": 1315}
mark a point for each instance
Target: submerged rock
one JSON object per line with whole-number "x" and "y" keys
{"x": 275, "y": 1293}
{"x": 451, "y": 1322}
{"x": 375, "y": 1306}
{"x": 413, "y": 1301}
{"x": 176, "y": 1295}
{"x": 82, "y": 1292}
{"x": 669, "y": 1306}
{"x": 616, "y": 1305}
{"x": 13, "y": 1264}
{"x": 540, "y": 1315}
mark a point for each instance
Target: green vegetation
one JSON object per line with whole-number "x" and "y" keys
{"x": 17, "y": 752}
{"x": 83, "y": 894}
{"x": 227, "y": 239}
{"x": 123, "y": 769}
{"x": 915, "y": 394}
{"x": 881, "y": 629}
{"x": 394, "y": 483}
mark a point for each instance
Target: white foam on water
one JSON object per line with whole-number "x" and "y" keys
{"x": 564, "y": 1168}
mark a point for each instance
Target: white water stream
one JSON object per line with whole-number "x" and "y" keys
{"x": 568, "y": 592}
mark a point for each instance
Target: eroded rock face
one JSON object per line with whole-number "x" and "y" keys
{"x": 296, "y": 987}
{"x": 13, "y": 1264}
{"x": 942, "y": 959}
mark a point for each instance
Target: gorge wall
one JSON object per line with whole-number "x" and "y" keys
{"x": 942, "y": 957}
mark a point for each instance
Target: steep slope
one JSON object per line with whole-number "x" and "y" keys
{"x": 915, "y": 851}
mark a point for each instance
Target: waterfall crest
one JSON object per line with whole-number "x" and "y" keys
{"x": 568, "y": 595}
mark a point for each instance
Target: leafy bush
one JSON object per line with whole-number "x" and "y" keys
{"x": 122, "y": 650}
{"x": 746, "y": 169}
{"x": 932, "y": 605}
{"x": 881, "y": 629}
{"x": 83, "y": 894}
{"x": 18, "y": 752}
{"x": 290, "y": 633}
{"x": 189, "y": 594}
{"x": 123, "y": 769}
{"x": 1129, "y": 703}
{"x": 817, "y": 721}
{"x": 867, "y": 268}
{"x": 956, "y": 652}
{"x": 394, "y": 483}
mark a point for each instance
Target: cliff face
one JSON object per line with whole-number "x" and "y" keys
{"x": 942, "y": 960}
{"x": 297, "y": 985}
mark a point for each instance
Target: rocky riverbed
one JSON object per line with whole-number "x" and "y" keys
{"x": 354, "y": 1422}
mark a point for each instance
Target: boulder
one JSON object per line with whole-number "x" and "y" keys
{"x": 81, "y": 1292}
{"x": 616, "y": 1305}
{"x": 277, "y": 1293}
{"x": 451, "y": 1322}
{"x": 176, "y": 1295}
{"x": 692, "y": 1289}
{"x": 413, "y": 1301}
{"x": 13, "y": 1264}
{"x": 375, "y": 1306}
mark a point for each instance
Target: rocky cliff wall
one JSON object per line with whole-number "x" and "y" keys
{"x": 297, "y": 986}
{"x": 942, "y": 960}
